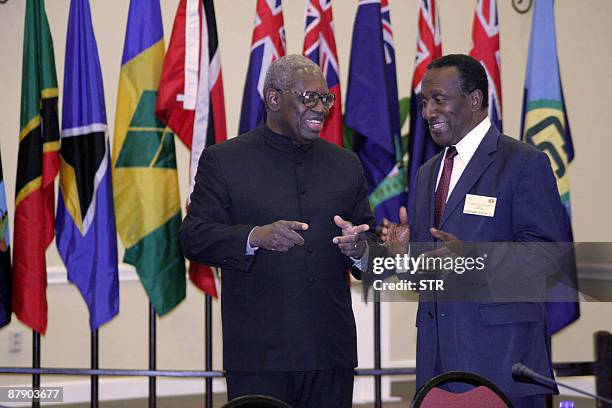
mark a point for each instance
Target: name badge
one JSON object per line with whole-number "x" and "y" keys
{"x": 479, "y": 205}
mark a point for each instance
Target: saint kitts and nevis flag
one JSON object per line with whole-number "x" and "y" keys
{"x": 267, "y": 44}
{"x": 85, "y": 224}
{"x": 37, "y": 167}
{"x": 421, "y": 146}
{"x": 190, "y": 96}
{"x": 5, "y": 257}
{"x": 545, "y": 125}
{"x": 145, "y": 180}
{"x": 320, "y": 47}
{"x": 372, "y": 109}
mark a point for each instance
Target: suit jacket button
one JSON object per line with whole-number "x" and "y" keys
{"x": 309, "y": 250}
{"x": 311, "y": 279}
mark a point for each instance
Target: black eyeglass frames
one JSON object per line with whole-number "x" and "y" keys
{"x": 311, "y": 98}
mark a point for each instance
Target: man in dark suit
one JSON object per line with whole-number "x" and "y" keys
{"x": 281, "y": 212}
{"x": 483, "y": 187}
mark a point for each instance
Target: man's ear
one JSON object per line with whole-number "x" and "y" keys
{"x": 476, "y": 100}
{"x": 272, "y": 98}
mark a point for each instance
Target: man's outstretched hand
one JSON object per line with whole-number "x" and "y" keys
{"x": 278, "y": 236}
{"x": 352, "y": 242}
{"x": 396, "y": 236}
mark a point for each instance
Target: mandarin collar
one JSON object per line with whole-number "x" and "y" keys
{"x": 282, "y": 142}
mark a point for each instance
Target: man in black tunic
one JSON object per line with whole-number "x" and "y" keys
{"x": 279, "y": 210}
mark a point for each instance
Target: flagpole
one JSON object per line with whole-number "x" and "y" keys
{"x": 152, "y": 356}
{"x": 208, "y": 350}
{"x": 35, "y": 363}
{"x": 94, "y": 366}
{"x": 377, "y": 377}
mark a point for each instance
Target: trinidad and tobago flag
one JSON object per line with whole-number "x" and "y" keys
{"x": 190, "y": 96}
{"x": 485, "y": 48}
{"x": 268, "y": 44}
{"x": 320, "y": 47}
{"x": 421, "y": 146}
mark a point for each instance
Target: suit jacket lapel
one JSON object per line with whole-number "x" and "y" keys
{"x": 477, "y": 165}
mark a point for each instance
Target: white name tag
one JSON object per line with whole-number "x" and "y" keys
{"x": 479, "y": 205}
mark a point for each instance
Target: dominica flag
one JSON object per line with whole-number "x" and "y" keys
{"x": 545, "y": 125}
{"x": 85, "y": 224}
{"x": 267, "y": 44}
{"x": 421, "y": 146}
{"x": 5, "y": 257}
{"x": 190, "y": 97}
{"x": 372, "y": 109}
{"x": 320, "y": 47}
{"x": 145, "y": 181}
{"x": 37, "y": 167}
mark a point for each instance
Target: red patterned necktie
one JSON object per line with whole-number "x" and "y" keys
{"x": 444, "y": 184}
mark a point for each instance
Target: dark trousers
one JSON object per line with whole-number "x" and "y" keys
{"x": 300, "y": 389}
{"x": 534, "y": 401}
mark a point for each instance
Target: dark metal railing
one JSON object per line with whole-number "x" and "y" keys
{"x": 600, "y": 368}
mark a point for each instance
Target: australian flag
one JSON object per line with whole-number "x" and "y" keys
{"x": 320, "y": 47}
{"x": 485, "y": 48}
{"x": 421, "y": 146}
{"x": 268, "y": 44}
{"x": 372, "y": 109}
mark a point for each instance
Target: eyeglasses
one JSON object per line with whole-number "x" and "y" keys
{"x": 311, "y": 98}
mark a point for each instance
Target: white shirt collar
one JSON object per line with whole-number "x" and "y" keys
{"x": 468, "y": 145}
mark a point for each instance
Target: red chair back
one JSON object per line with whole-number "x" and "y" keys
{"x": 485, "y": 394}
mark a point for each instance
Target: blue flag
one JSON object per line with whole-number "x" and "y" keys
{"x": 85, "y": 223}
{"x": 545, "y": 125}
{"x": 372, "y": 109}
{"x": 5, "y": 257}
{"x": 267, "y": 44}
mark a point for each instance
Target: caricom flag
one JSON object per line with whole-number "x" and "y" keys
{"x": 145, "y": 180}
{"x": 85, "y": 224}
{"x": 545, "y": 125}
{"x": 37, "y": 167}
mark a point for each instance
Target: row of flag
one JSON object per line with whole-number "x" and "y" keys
{"x": 181, "y": 92}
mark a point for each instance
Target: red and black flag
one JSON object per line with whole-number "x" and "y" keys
{"x": 37, "y": 166}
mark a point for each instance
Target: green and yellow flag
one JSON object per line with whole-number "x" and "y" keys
{"x": 145, "y": 182}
